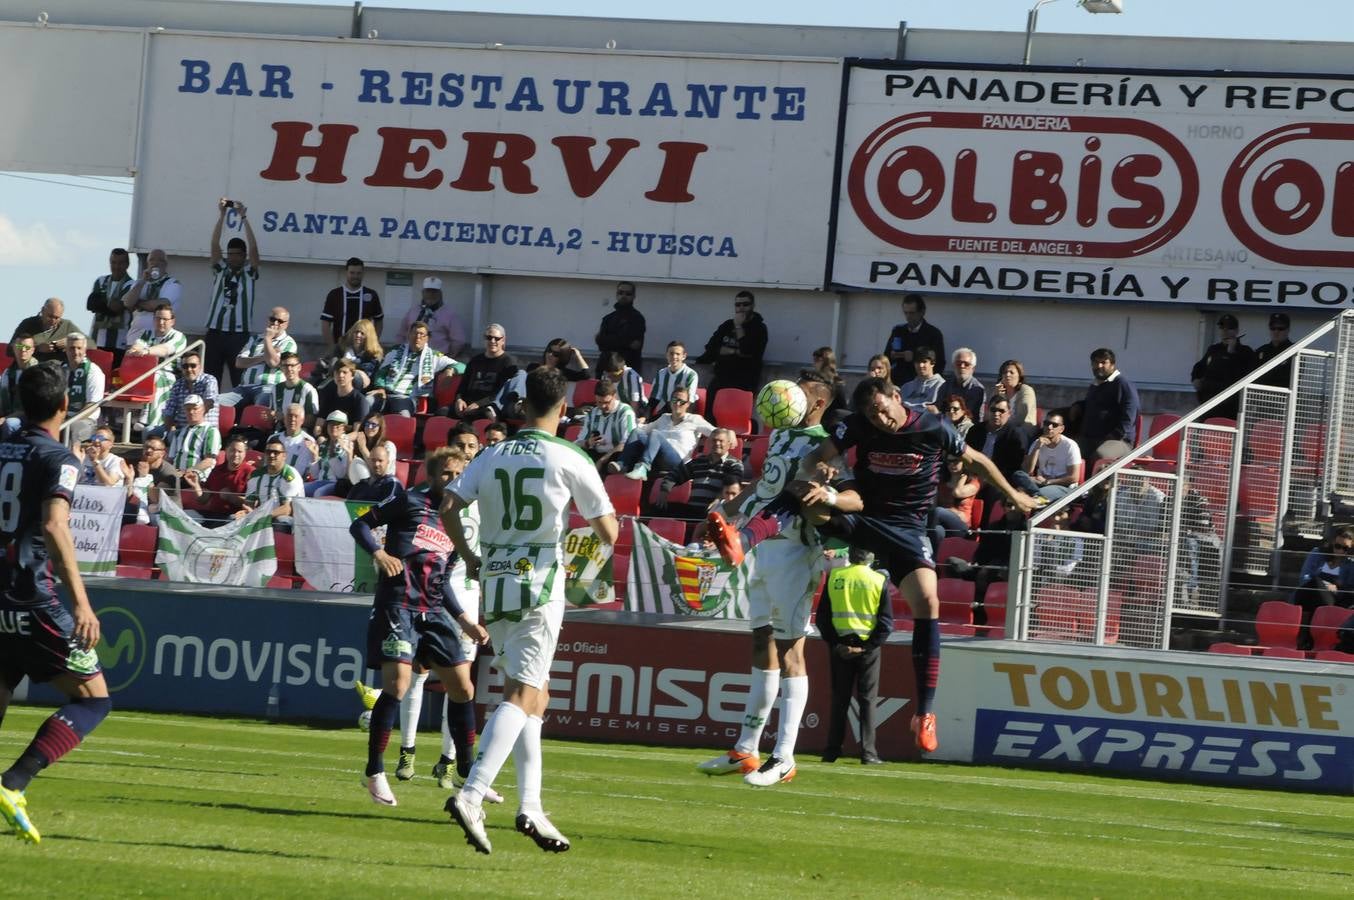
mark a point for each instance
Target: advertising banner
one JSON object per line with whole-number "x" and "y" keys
{"x": 1182, "y": 187}
{"x": 651, "y": 166}
{"x": 96, "y": 523}
{"x": 1159, "y": 716}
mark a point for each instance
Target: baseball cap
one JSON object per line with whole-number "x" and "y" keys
{"x": 1278, "y": 320}
{"x": 192, "y": 400}
{"x": 1227, "y": 320}
{"x": 432, "y": 284}
{"x": 337, "y": 415}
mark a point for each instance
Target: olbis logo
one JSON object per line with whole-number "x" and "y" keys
{"x": 122, "y": 646}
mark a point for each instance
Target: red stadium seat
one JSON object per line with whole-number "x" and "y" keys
{"x": 699, "y": 406}
{"x": 956, "y": 546}
{"x": 1169, "y": 448}
{"x": 133, "y": 367}
{"x": 435, "y": 432}
{"x": 260, "y": 417}
{"x": 225, "y": 420}
{"x": 1277, "y": 623}
{"x": 1060, "y": 613}
{"x": 679, "y": 494}
{"x": 956, "y": 600}
{"x": 1334, "y": 656}
{"x": 136, "y": 545}
{"x": 1231, "y": 649}
{"x": 733, "y": 409}
{"x": 585, "y": 393}
{"x": 402, "y": 472}
{"x": 400, "y": 431}
{"x": 1283, "y": 653}
{"x": 757, "y": 445}
{"x": 481, "y": 426}
{"x": 571, "y": 432}
{"x": 307, "y": 369}
{"x": 672, "y": 529}
{"x": 104, "y": 360}
{"x": 625, "y": 494}
{"x": 1325, "y": 626}
{"x": 444, "y": 389}
{"x": 284, "y": 545}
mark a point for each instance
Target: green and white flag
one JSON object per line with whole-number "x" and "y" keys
{"x": 239, "y": 553}
{"x": 96, "y": 522}
{"x": 588, "y": 569}
{"x": 327, "y": 557}
{"x": 667, "y": 578}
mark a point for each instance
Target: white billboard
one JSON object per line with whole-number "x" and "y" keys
{"x": 1103, "y": 185}
{"x": 494, "y": 160}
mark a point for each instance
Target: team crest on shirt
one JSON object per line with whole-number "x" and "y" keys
{"x": 523, "y": 567}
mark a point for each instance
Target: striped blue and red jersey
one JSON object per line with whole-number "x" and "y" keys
{"x": 897, "y": 473}
{"x": 415, "y": 536}
{"x": 34, "y": 468}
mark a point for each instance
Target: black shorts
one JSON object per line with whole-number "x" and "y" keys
{"x": 39, "y": 641}
{"x": 398, "y": 634}
{"x": 900, "y": 548}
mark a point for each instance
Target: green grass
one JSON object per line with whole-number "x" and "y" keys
{"x": 159, "y": 805}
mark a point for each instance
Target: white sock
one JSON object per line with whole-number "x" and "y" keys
{"x": 794, "y": 696}
{"x": 526, "y": 756}
{"x": 410, "y": 707}
{"x": 496, "y": 743}
{"x": 762, "y": 696}
{"x": 448, "y": 745}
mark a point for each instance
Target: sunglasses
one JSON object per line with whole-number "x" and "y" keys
{"x": 98, "y": 440}
{"x": 493, "y": 337}
{"x": 371, "y": 425}
{"x": 276, "y": 321}
{"x": 954, "y": 409}
{"x": 679, "y": 401}
{"x": 964, "y": 365}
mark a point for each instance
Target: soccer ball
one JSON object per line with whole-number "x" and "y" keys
{"x": 364, "y": 720}
{"x": 781, "y": 404}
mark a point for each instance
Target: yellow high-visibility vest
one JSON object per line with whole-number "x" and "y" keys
{"x": 854, "y": 592}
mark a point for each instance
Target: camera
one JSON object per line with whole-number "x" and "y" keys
{"x": 227, "y": 203}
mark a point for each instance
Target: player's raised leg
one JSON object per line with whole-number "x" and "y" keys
{"x": 763, "y": 688}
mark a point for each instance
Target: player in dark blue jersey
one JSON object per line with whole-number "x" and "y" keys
{"x": 39, "y": 637}
{"x": 412, "y": 618}
{"x": 883, "y": 506}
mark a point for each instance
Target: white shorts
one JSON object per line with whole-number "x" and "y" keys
{"x": 526, "y": 648}
{"x": 783, "y": 578}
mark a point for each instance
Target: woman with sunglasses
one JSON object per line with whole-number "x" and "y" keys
{"x": 956, "y": 410}
{"x": 1327, "y": 577}
{"x": 370, "y": 435}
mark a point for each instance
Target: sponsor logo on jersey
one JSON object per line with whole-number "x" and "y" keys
{"x": 886, "y": 463}
{"x": 69, "y": 477}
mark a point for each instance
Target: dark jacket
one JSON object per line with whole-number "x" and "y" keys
{"x": 742, "y": 369}
{"x": 619, "y": 329}
{"x": 1219, "y": 370}
{"x": 1008, "y": 452}
{"x": 1280, "y": 377}
{"x": 883, "y": 623}
{"x": 901, "y": 339}
{"x": 1109, "y": 413}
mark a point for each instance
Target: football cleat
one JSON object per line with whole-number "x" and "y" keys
{"x": 14, "y": 808}
{"x": 774, "y": 771}
{"x": 924, "y": 731}
{"x": 725, "y": 537}
{"x": 537, "y": 827}
{"x": 490, "y": 795}
{"x": 445, "y": 775}
{"x": 728, "y": 763}
{"x": 405, "y": 770}
{"x": 367, "y": 694}
{"x": 379, "y": 790}
{"x": 471, "y": 819}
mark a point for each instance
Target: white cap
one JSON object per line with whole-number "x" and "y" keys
{"x": 337, "y": 415}
{"x": 432, "y": 284}
{"x": 192, "y": 400}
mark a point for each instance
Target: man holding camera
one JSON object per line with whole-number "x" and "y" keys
{"x": 233, "y": 292}
{"x": 106, "y": 301}
{"x": 155, "y": 286}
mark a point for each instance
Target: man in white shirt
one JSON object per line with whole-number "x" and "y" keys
{"x": 195, "y": 445}
{"x": 155, "y": 286}
{"x": 664, "y": 442}
{"x": 302, "y": 449}
{"x": 84, "y": 386}
{"x": 407, "y": 373}
{"x": 1053, "y": 465}
{"x": 261, "y": 359}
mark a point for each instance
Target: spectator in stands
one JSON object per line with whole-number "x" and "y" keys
{"x": 1278, "y": 343}
{"x": 261, "y": 361}
{"x": 329, "y": 472}
{"x": 1011, "y": 384}
{"x": 144, "y": 296}
{"x": 1052, "y": 467}
{"x": 24, "y": 350}
{"x": 49, "y": 330}
{"x": 292, "y": 390}
{"x": 672, "y": 376}
{"x": 100, "y": 464}
{"x": 1109, "y": 414}
{"x": 707, "y": 473}
{"x": 1199, "y": 540}
{"x": 464, "y": 438}
{"x": 956, "y": 410}
{"x": 1056, "y": 558}
{"x": 446, "y": 332}
{"x": 407, "y": 373}
{"x": 736, "y": 349}
{"x": 629, "y": 384}
{"x": 360, "y": 346}
{"x": 349, "y": 303}
{"x": 302, "y": 448}
{"x": 1139, "y": 508}
{"x": 955, "y": 496}
{"x": 606, "y": 426}
{"x": 107, "y": 301}
{"x": 1327, "y": 577}
{"x": 191, "y": 380}
{"x": 622, "y": 329}
{"x": 854, "y": 616}
{"x": 161, "y": 342}
{"x": 379, "y": 481}
{"x": 912, "y": 333}
{"x": 231, "y": 313}
{"x": 275, "y": 481}
{"x": 562, "y": 355}
{"x": 195, "y": 445}
{"x": 1223, "y": 365}
{"x": 825, "y": 361}
{"x": 224, "y": 489}
{"x": 371, "y": 435}
{"x": 342, "y": 395}
{"x": 664, "y": 442}
{"x": 484, "y": 376}
{"x": 495, "y": 433}
{"x": 963, "y": 383}
{"x": 924, "y": 390}
{"x": 153, "y": 474}
{"x": 84, "y": 386}
{"x": 1000, "y": 439}
{"x": 879, "y": 367}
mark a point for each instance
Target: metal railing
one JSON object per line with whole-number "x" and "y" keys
{"x": 1177, "y": 529}
{"x": 95, "y": 410}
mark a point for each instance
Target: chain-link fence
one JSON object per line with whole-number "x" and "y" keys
{"x": 1263, "y": 425}
{"x": 1066, "y": 574}
{"x": 1340, "y": 436}
{"x": 1313, "y": 374}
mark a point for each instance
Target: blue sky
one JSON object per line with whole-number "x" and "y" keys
{"x": 54, "y": 237}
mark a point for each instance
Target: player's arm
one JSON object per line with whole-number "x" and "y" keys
{"x": 975, "y": 463}
{"x": 606, "y": 527}
{"x": 56, "y": 530}
{"x": 250, "y": 241}
{"x": 450, "y": 511}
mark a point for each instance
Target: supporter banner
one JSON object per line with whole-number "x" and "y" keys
{"x": 497, "y": 160}
{"x": 1175, "y": 187}
{"x": 685, "y": 685}
{"x": 667, "y": 578}
{"x": 327, "y": 557}
{"x": 96, "y": 523}
{"x": 1162, "y": 715}
{"x": 237, "y": 553}
{"x": 588, "y": 568}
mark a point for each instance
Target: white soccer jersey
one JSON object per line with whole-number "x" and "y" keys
{"x": 523, "y": 486}
{"x": 785, "y": 462}
{"x": 194, "y": 443}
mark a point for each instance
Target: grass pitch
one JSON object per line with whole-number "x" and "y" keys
{"x": 160, "y": 805}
